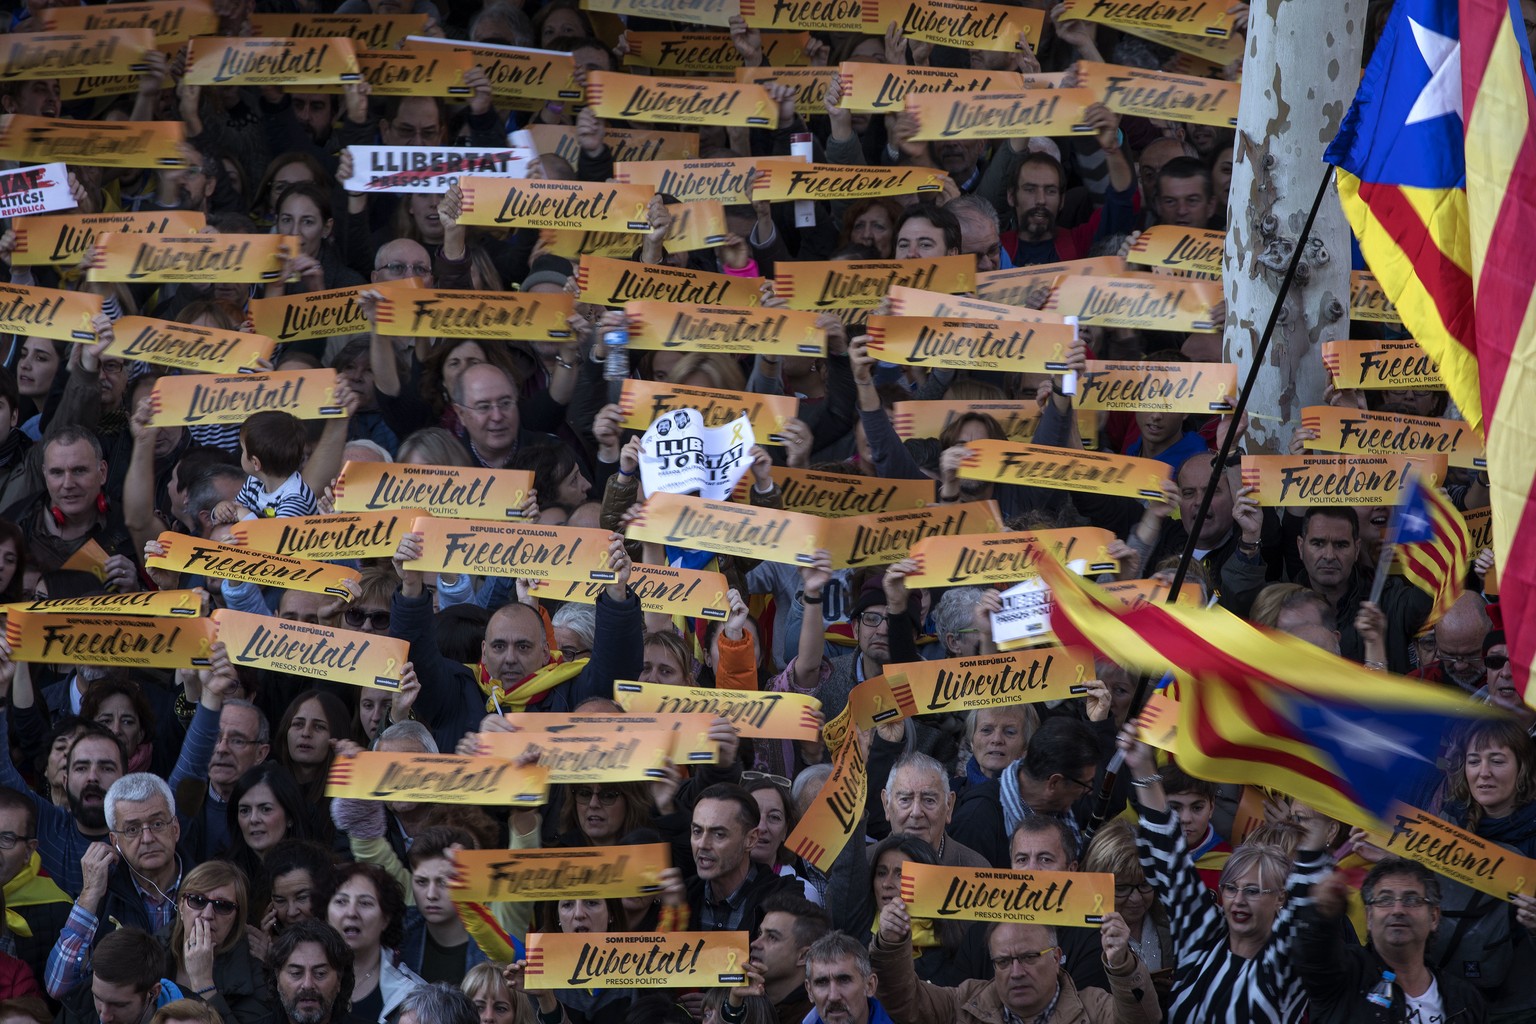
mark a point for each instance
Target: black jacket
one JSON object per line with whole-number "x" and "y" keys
{"x": 759, "y": 886}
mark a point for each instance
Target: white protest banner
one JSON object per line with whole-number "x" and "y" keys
{"x": 680, "y": 455}
{"x": 430, "y": 168}
{"x": 1026, "y": 614}
{"x": 43, "y": 188}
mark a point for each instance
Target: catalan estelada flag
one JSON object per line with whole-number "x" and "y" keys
{"x": 1436, "y": 171}
{"x": 1267, "y": 709}
{"x": 1433, "y": 545}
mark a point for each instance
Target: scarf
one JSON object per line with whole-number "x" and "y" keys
{"x": 1014, "y": 807}
{"x": 531, "y": 689}
{"x": 12, "y": 448}
{"x": 974, "y": 776}
{"x": 139, "y": 761}
{"x": 30, "y": 888}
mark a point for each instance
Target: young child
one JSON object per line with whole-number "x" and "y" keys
{"x": 272, "y": 452}
{"x": 1192, "y": 801}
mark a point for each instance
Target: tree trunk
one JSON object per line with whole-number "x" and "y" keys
{"x": 1300, "y": 71}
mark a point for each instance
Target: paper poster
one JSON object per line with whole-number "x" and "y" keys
{"x": 368, "y": 31}
{"x": 837, "y": 808}
{"x": 1177, "y": 17}
{"x": 756, "y": 715}
{"x": 842, "y": 284}
{"x": 879, "y": 538}
{"x": 1479, "y": 528}
{"x": 1394, "y": 365}
{"x": 1069, "y": 898}
{"x": 1002, "y": 115}
{"x": 54, "y": 240}
{"x": 634, "y": 960}
{"x": 964, "y": 24}
{"x": 690, "y": 742}
{"x": 609, "y": 282}
{"x": 516, "y": 72}
{"x": 172, "y": 22}
{"x": 132, "y": 641}
{"x": 638, "y": 145}
{"x": 737, "y": 330}
{"x": 689, "y": 180}
{"x": 572, "y": 873}
{"x": 716, "y": 13}
{"x": 811, "y": 15}
{"x": 226, "y": 562}
{"x": 967, "y": 344}
{"x": 809, "y": 83}
{"x": 713, "y": 52}
{"x": 332, "y": 538}
{"x": 1039, "y": 465}
{"x": 574, "y": 244}
{"x": 185, "y": 347}
{"x": 48, "y": 312}
{"x": 782, "y": 180}
{"x": 190, "y": 259}
{"x": 1025, "y": 615}
{"x": 1157, "y": 387}
{"x": 411, "y": 312}
{"x": 481, "y": 547}
{"x": 183, "y": 603}
{"x": 1135, "y": 593}
{"x": 1006, "y": 557}
{"x": 915, "y": 302}
{"x": 680, "y": 100}
{"x": 1340, "y": 480}
{"x": 1383, "y": 433}
{"x": 668, "y": 590}
{"x": 644, "y": 401}
{"x": 1214, "y": 52}
{"x": 1479, "y": 863}
{"x": 417, "y": 71}
{"x": 437, "y": 779}
{"x": 31, "y": 190}
{"x": 586, "y": 755}
{"x": 449, "y": 492}
{"x": 747, "y": 531}
{"x": 185, "y": 400}
{"x": 883, "y": 88}
{"x": 54, "y": 55}
{"x": 89, "y": 557}
{"x": 271, "y": 61}
{"x": 696, "y": 225}
{"x": 993, "y": 680}
{"x": 1017, "y": 285}
{"x": 132, "y": 144}
{"x": 1166, "y": 97}
{"x": 72, "y": 90}
{"x": 428, "y": 169}
{"x": 537, "y": 203}
{"x": 1368, "y": 300}
{"x": 1145, "y": 302}
{"x": 1158, "y": 723}
{"x": 1170, "y": 247}
{"x": 1017, "y": 419}
{"x": 840, "y": 495}
{"x": 312, "y": 651}
{"x": 678, "y": 453}
{"x": 311, "y": 315}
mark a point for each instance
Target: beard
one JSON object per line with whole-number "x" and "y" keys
{"x": 88, "y": 815}
{"x": 1471, "y": 680}
{"x": 316, "y": 1016}
{"x": 1037, "y": 223}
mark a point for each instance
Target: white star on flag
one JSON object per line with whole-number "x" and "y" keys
{"x": 1442, "y": 94}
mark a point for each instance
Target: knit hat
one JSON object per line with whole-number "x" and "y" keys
{"x": 548, "y": 270}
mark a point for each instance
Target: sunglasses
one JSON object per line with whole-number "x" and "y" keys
{"x": 355, "y": 617}
{"x": 1496, "y": 662}
{"x": 196, "y": 901}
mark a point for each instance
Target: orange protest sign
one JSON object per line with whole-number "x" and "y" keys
{"x": 739, "y": 330}
{"x": 883, "y": 88}
{"x": 966, "y": 344}
{"x": 709, "y": 51}
{"x": 313, "y": 651}
{"x": 1368, "y": 300}
{"x": 185, "y": 347}
{"x": 1479, "y": 527}
{"x": 872, "y": 702}
{"x": 688, "y": 180}
{"x": 697, "y": 225}
{"x": 133, "y": 144}
{"x": 586, "y": 755}
{"x": 814, "y": 15}
{"x": 1157, "y": 94}
{"x": 628, "y": 144}
{"x": 48, "y": 312}
{"x": 370, "y": 31}
{"x": 1479, "y": 863}
{"x": 481, "y": 547}
{"x": 839, "y": 495}
{"x": 128, "y": 640}
{"x": 516, "y": 72}
{"x": 965, "y": 24}
{"x": 1006, "y": 557}
{"x": 1171, "y": 247}
{"x": 642, "y": 401}
{"x": 525, "y": 203}
{"x": 1214, "y": 52}
{"x": 1158, "y": 723}
{"x": 690, "y": 733}
{"x": 310, "y": 315}
{"x": 716, "y": 13}
{"x": 993, "y": 680}
{"x": 1336, "y": 479}
{"x": 670, "y": 591}
{"x": 1384, "y": 433}
{"x": 332, "y": 538}
{"x": 915, "y": 302}
{"x": 574, "y": 873}
{"x": 1176, "y": 17}
{"x": 437, "y": 779}
{"x": 680, "y": 100}
{"x": 609, "y": 282}
{"x": 417, "y": 71}
{"x": 1157, "y": 387}
{"x": 1074, "y": 898}
{"x": 785, "y": 179}
{"x": 573, "y": 244}
{"x": 559, "y": 960}
{"x": 727, "y": 528}
{"x": 879, "y": 538}
{"x": 184, "y": 603}
{"x": 190, "y": 259}
{"x": 756, "y": 715}
{"x": 1376, "y": 365}
{"x": 96, "y": 52}
{"x": 450, "y": 492}
{"x": 841, "y": 284}
{"x": 271, "y": 61}
{"x": 412, "y": 312}
{"x": 171, "y": 21}
{"x": 66, "y": 238}
{"x": 1018, "y": 419}
{"x": 1039, "y": 465}
{"x": 225, "y": 562}
{"x": 1135, "y": 593}
{"x": 1145, "y": 302}
{"x": 1001, "y": 115}
{"x": 809, "y": 83}
{"x": 1019, "y": 285}
{"x": 206, "y": 398}
{"x": 838, "y": 807}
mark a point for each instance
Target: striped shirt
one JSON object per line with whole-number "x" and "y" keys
{"x": 293, "y": 498}
{"x": 1212, "y": 984}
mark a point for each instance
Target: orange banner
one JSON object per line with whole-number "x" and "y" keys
{"x": 879, "y": 538}
{"x": 992, "y": 680}
{"x": 516, "y": 72}
{"x": 883, "y": 88}
{"x": 690, "y": 180}
{"x": 970, "y": 344}
{"x": 1039, "y": 465}
{"x": 1145, "y": 302}
{"x": 66, "y": 238}
{"x": 642, "y": 401}
{"x": 663, "y": 589}
{"x": 756, "y": 715}
{"x": 628, "y": 144}
{"x": 621, "y": 960}
{"x": 190, "y": 259}
{"x": 573, "y": 873}
{"x": 128, "y": 640}
{"x": 1170, "y": 247}
{"x": 1135, "y": 593}
{"x": 914, "y": 302}
{"x": 271, "y": 61}
{"x": 841, "y": 284}
{"x": 837, "y": 809}
{"x": 608, "y": 282}
{"x": 332, "y": 538}
{"x": 480, "y": 547}
{"x": 1157, "y": 387}
{"x": 185, "y": 347}
{"x": 727, "y": 528}
{"x": 680, "y": 100}
{"x": 813, "y": 15}
{"x": 1215, "y": 53}
{"x": 417, "y": 71}
{"x": 1383, "y": 433}
{"x": 184, "y": 603}
{"x": 1176, "y": 17}
{"x": 1001, "y": 115}
{"x": 715, "y": 13}
{"x": 226, "y": 562}
{"x": 171, "y": 21}
{"x": 784, "y": 179}
{"x": 1479, "y": 863}
{"x": 697, "y": 225}
{"x": 311, "y": 315}
{"x": 1368, "y": 300}
{"x": 450, "y": 492}
{"x": 1479, "y": 528}
{"x": 311, "y": 650}
{"x": 411, "y": 312}
{"x": 535, "y": 203}
{"x": 1017, "y": 285}
{"x": 738, "y": 330}
{"x": 1006, "y": 557}
{"x": 1394, "y": 365}
{"x": 368, "y": 31}
{"x": 586, "y": 755}
{"x": 48, "y": 312}
{"x": 75, "y": 54}
{"x": 965, "y": 24}
{"x": 809, "y": 83}
{"x": 1018, "y": 419}
{"x": 1337, "y": 479}
{"x": 840, "y": 495}
{"x": 710, "y": 51}
{"x": 437, "y": 779}
{"x": 182, "y": 400}
{"x": 1074, "y": 898}
{"x": 1156, "y": 94}
{"x": 690, "y": 733}
{"x": 147, "y": 145}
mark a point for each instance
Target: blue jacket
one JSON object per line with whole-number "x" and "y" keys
{"x": 877, "y": 1015}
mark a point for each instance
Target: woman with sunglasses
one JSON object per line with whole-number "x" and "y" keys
{"x": 1234, "y": 958}
{"x": 210, "y": 958}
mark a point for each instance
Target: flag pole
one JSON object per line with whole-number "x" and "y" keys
{"x": 1389, "y": 546}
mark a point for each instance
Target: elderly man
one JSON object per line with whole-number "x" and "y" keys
{"x": 919, "y": 802}
{"x": 1459, "y": 639}
{"x": 841, "y": 982}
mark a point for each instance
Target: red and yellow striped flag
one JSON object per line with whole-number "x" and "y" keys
{"x": 1437, "y": 558}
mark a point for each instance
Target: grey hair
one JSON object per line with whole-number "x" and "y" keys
{"x": 836, "y": 946}
{"x": 580, "y": 619}
{"x": 371, "y": 447}
{"x": 956, "y": 610}
{"x": 263, "y": 727}
{"x": 808, "y": 783}
{"x": 135, "y": 788}
{"x": 410, "y": 731}
{"x": 72, "y": 433}
{"x": 1273, "y": 866}
{"x": 974, "y": 204}
{"x": 439, "y": 1003}
{"x": 922, "y": 762}
{"x": 203, "y": 493}
{"x": 1397, "y": 866}
{"x": 511, "y": 17}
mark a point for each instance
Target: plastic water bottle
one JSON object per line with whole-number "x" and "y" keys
{"x": 1381, "y": 995}
{"x": 616, "y": 364}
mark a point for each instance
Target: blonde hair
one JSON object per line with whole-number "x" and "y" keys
{"x": 485, "y": 979}
{"x": 722, "y": 370}
{"x": 211, "y": 874}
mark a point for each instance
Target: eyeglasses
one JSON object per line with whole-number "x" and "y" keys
{"x": 1002, "y": 963}
{"x": 401, "y": 269}
{"x": 1249, "y": 892}
{"x": 501, "y": 405}
{"x": 605, "y": 797}
{"x": 1123, "y": 892}
{"x": 1079, "y": 782}
{"x": 1410, "y": 900}
{"x": 134, "y": 831}
{"x": 777, "y": 780}
{"x": 355, "y": 617}
{"x": 8, "y": 840}
{"x": 196, "y": 901}
{"x": 1459, "y": 657}
{"x": 873, "y": 619}
{"x": 112, "y": 366}
{"x": 1496, "y": 662}
{"x": 234, "y": 741}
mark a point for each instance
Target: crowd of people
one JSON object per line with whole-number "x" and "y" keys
{"x": 168, "y": 849}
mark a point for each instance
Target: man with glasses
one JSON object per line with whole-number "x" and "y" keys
{"x": 1458, "y": 649}
{"x": 29, "y": 893}
{"x": 1402, "y": 911}
{"x": 491, "y": 427}
{"x": 131, "y": 880}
